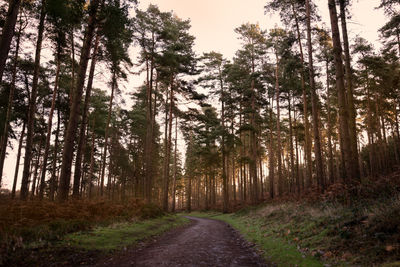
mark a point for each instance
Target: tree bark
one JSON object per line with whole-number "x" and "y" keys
{"x": 329, "y": 122}
{"x": 68, "y": 150}
{"x": 49, "y": 126}
{"x": 54, "y": 174}
{"x": 343, "y": 114}
{"x": 314, "y": 103}
{"x": 21, "y": 140}
{"x": 104, "y": 158}
{"x": 291, "y": 150}
{"x": 8, "y": 33}
{"x": 271, "y": 157}
{"x": 168, "y": 148}
{"x": 225, "y": 193}
{"x": 307, "y": 145}
{"x": 349, "y": 93}
{"x": 278, "y": 127}
{"x": 175, "y": 165}
{"x": 4, "y": 139}
{"x": 83, "y": 126}
{"x": 32, "y": 106}
{"x": 91, "y": 168}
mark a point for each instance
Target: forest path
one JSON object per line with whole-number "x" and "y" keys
{"x": 205, "y": 242}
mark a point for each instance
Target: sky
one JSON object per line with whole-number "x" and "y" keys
{"x": 213, "y": 23}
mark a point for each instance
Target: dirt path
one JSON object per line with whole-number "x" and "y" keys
{"x": 205, "y": 242}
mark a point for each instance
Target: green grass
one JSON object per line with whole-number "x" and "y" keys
{"x": 275, "y": 248}
{"x": 120, "y": 235}
{"x": 303, "y": 234}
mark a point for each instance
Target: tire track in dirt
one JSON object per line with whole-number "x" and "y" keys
{"x": 205, "y": 242}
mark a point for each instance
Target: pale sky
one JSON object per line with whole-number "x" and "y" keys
{"x": 213, "y": 23}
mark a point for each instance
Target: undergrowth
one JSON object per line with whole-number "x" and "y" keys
{"x": 32, "y": 224}
{"x": 357, "y": 226}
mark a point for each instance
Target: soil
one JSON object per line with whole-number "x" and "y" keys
{"x": 205, "y": 242}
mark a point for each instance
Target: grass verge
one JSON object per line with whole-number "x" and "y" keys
{"x": 367, "y": 233}
{"x": 121, "y": 235}
{"x": 274, "y": 248}
{"x": 89, "y": 246}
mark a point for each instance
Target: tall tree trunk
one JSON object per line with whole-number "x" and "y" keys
{"x": 104, "y": 158}
{"x": 271, "y": 156}
{"x": 149, "y": 133}
{"x": 4, "y": 139}
{"x": 50, "y": 125}
{"x": 36, "y": 168}
{"x": 292, "y": 169}
{"x": 71, "y": 91}
{"x": 91, "y": 168}
{"x": 165, "y": 163}
{"x": 307, "y": 145}
{"x": 71, "y": 130}
{"x": 54, "y": 174}
{"x": 8, "y": 33}
{"x": 253, "y": 149}
{"x": 175, "y": 164}
{"x": 278, "y": 127}
{"x": 225, "y": 202}
{"x": 168, "y": 148}
{"x": 21, "y": 140}
{"x": 83, "y": 126}
{"x": 350, "y": 96}
{"x": 297, "y": 156}
{"x": 343, "y": 114}
{"x": 329, "y": 122}
{"x": 314, "y": 102}
{"x": 32, "y": 106}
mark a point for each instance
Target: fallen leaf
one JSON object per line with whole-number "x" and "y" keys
{"x": 389, "y": 248}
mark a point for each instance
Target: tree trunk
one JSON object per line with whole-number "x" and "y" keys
{"x": 35, "y": 172}
{"x": 225, "y": 193}
{"x": 149, "y": 133}
{"x": 253, "y": 149}
{"x": 168, "y": 149}
{"x": 278, "y": 127}
{"x": 104, "y": 158}
{"x": 291, "y": 150}
{"x": 271, "y": 157}
{"x": 307, "y": 145}
{"x": 32, "y": 106}
{"x": 71, "y": 130}
{"x": 49, "y": 126}
{"x": 91, "y": 168}
{"x": 8, "y": 33}
{"x": 21, "y": 140}
{"x": 175, "y": 164}
{"x": 71, "y": 91}
{"x": 82, "y": 130}
{"x": 343, "y": 114}
{"x": 54, "y": 175}
{"x": 314, "y": 102}
{"x": 329, "y": 122}
{"x": 350, "y": 97}
{"x": 4, "y": 139}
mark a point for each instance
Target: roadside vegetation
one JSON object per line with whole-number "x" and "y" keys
{"x": 33, "y": 231}
{"x": 326, "y": 229}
